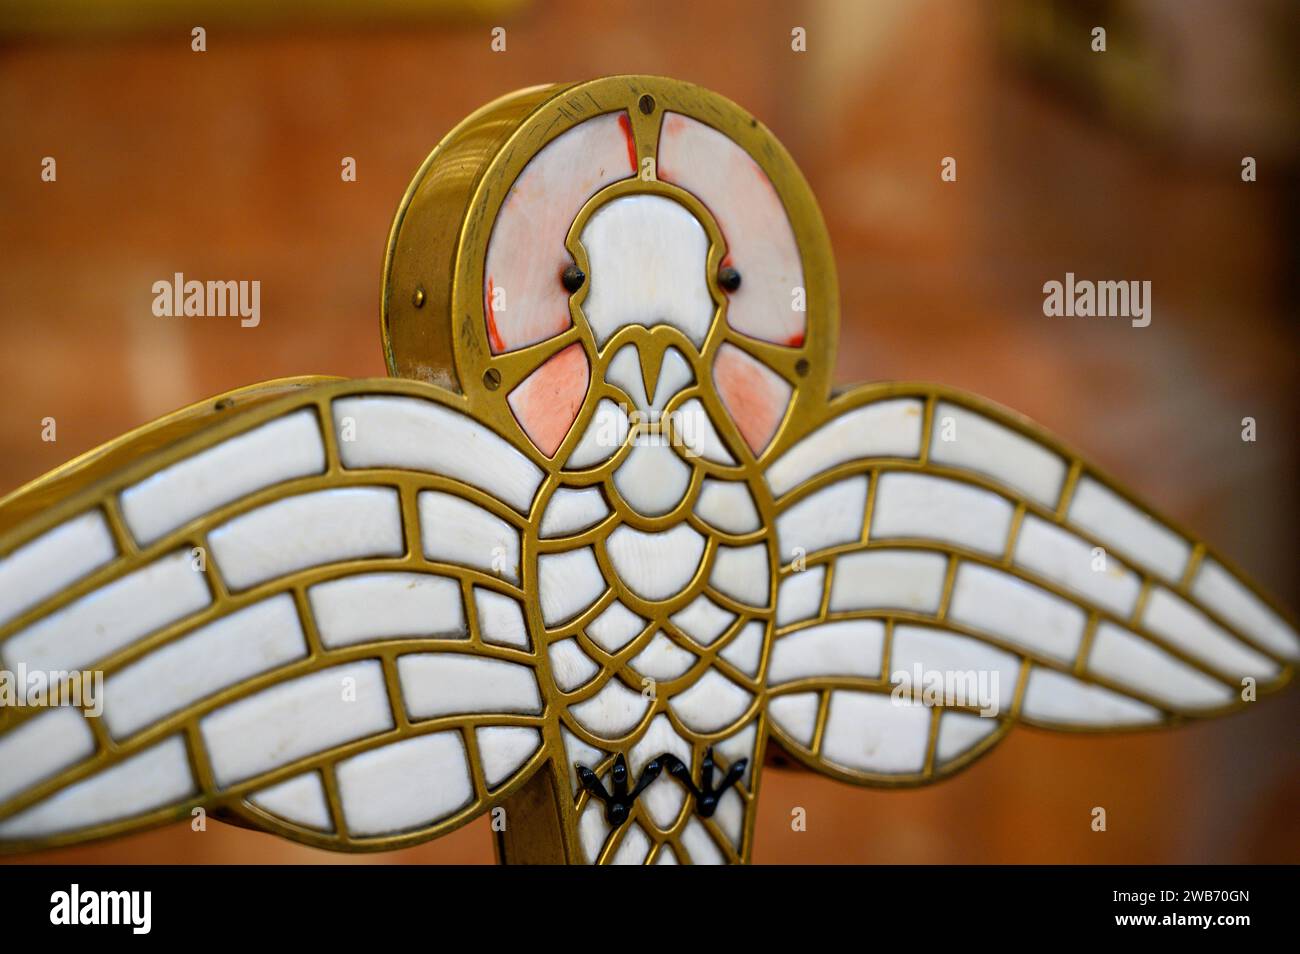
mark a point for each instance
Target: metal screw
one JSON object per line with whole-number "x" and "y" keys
{"x": 418, "y": 298}
{"x": 491, "y": 379}
{"x": 646, "y": 104}
{"x": 801, "y": 367}
{"x": 728, "y": 279}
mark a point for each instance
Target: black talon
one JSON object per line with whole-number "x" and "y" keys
{"x": 734, "y": 772}
{"x": 706, "y": 796}
{"x": 678, "y": 769}
{"x": 618, "y": 803}
{"x": 618, "y": 777}
{"x": 648, "y": 775}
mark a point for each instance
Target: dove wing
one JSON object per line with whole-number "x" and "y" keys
{"x": 935, "y": 542}
{"x": 306, "y": 600}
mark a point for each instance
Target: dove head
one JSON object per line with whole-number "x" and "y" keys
{"x": 633, "y": 243}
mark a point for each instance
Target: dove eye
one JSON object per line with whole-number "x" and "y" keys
{"x": 572, "y": 278}
{"x": 728, "y": 279}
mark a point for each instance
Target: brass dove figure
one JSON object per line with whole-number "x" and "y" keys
{"x": 603, "y": 536}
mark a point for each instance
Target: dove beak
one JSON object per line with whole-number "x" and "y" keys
{"x": 651, "y": 354}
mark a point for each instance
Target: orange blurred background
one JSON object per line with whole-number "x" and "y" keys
{"x": 1117, "y": 165}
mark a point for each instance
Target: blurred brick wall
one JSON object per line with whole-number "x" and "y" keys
{"x": 226, "y": 165}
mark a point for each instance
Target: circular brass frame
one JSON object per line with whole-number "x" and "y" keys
{"x": 441, "y": 232}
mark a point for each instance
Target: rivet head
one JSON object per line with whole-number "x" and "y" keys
{"x": 572, "y": 278}
{"x": 728, "y": 279}
{"x": 417, "y": 299}
{"x": 646, "y": 104}
{"x": 801, "y": 367}
{"x": 491, "y": 379}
